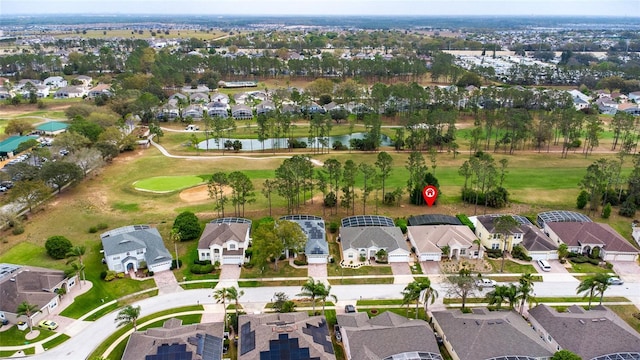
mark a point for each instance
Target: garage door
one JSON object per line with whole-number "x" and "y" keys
{"x": 232, "y": 260}
{"x": 430, "y": 257}
{"x": 620, "y": 257}
{"x": 398, "y": 258}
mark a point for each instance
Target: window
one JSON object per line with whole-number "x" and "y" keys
{"x": 351, "y": 256}
{"x": 517, "y": 236}
{"x": 496, "y": 236}
{"x": 463, "y": 251}
{"x": 232, "y": 246}
{"x": 495, "y": 246}
{"x": 139, "y": 251}
{"x": 116, "y": 258}
{"x": 128, "y": 253}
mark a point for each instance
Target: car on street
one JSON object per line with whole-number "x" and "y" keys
{"x": 349, "y": 309}
{"x": 192, "y": 128}
{"x": 485, "y": 283}
{"x": 48, "y": 324}
{"x": 336, "y": 331}
{"x": 614, "y": 281}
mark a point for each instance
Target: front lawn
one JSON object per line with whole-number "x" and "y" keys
{"x": 15, "y": 337}
{"x": 626, "y": 313}
{"x": 587, "y": 268}
{"x": 284, "y": 270}
{"x": 334, "y": 269}
{"x": 511, "y": 267}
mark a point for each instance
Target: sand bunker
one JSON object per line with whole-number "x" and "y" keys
{"x": 198, "y": 193}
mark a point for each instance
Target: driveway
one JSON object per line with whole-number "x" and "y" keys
{"x": 627, "y": 270}
{"x": 317, "y": 271}
{"x": 430, "y": 267}
{"x": 230, "y": 272}
{"x": 166, "y": 282}
{"x": 556, "y": 267}
{"x": 400, "y": 269}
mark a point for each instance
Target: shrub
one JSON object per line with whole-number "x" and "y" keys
{"x": 201, "y": 269}
{"x": 93, "y": 230}
{"x": 464, "y": 219}
{"x": 173, "y": 264}
{"x": 582, "y": 200}
{"x": 17, "y": 230}
{"x": 333, "y": 227}
{"x": 300, "y": 262}
{"x": 519, "y": 253}
{"x": 58, "y": 246}
{"x": 110, "y": 275}
{"x": 628, "y": 208}
{"x": 202, "y": 262}
{"x": 402, "y": 224}
{"x": 330, "y": 200}
{"x": 120, "y": 275}
{"x": 494, "y": 253}
{"x": 187, "y": 225}
{"x": 103, "y": 274}
{"x": 150, "y": 273}
{"x": 606, "y": 211}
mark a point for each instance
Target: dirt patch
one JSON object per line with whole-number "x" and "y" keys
{"x": 198, "y": 194}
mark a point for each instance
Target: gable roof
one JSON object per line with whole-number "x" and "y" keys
{"x": 535, "y": 240}
{"x": 576, "y": 233}
{"x": 388, "y": 237}
{"x": 487, "y": 334}
{"x": 431, "y": 238}
{"x": 386, "y": 335}
{"x": 52, "y": 126}
{"x": 26, "y": 283}
{"x": 589, "y": 334}
{"x": 132, "y": 238}
{"x": 488, "y": 221}
{"x": 313, "y": 228}
{"x": 220, "y": 233}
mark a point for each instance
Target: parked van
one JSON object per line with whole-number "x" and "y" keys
{"x": 544, "y": 265}
{"x": 192, "y": 128}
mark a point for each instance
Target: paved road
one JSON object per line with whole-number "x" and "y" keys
{"x": 88, "y": 335}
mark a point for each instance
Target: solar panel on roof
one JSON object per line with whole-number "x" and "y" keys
{"x": 230, "y": 220}
{"x": 366, "y": 220}
{"x": 247, "y": 338}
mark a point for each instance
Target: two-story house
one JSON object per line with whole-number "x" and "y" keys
{"x": 225, "y": 241}
{"x": 128, "y": 247}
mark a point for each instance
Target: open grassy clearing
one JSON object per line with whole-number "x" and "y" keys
{"x": 626, "y": 313}
{"x": 131, "y": 34}
{"x": 168, "y": 183}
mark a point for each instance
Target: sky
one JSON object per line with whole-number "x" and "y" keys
{"x": 326, "y": 7}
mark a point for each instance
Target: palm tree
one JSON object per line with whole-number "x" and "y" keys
{"x": 563, "y": 252}
{"x": 324, "y": 293}
{"x": 27, "y": 309}
{"x": 512, "y": 296}
{"x": 129, "y": 315}
{"x": 524, "y": 290}
{"x": 311, "y": 290}
{"x": 429, "y": 294}
{"x": 602, "y": 281}
{"x": 498, "y": 295}
{"x": 410, "y": 294}
{"x": 587, "y": 286}
{"x": 503, "y": 225}
{"x": 234, "y": 294}
{"x": 77, "y": 252}
{"x": 78, "y": 268}
{"x": 221, "y": 297}
{"x": 479, "y": 243}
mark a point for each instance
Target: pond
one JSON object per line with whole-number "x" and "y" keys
{"x": 281, "y": 143}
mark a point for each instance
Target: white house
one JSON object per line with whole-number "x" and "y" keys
{"x": 126, "y": 248}
{"x": 55, "y": 82}
{"x": 100, "y": 89}
{"x": 70, "y": 92}
{"x": 224, "y": 242}
{"x": 360, "y": 244}
{"x": 83, "y": 80}
{"x": 429, "y": 241}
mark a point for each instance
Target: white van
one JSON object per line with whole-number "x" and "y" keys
{"x": 192, "y": 128}
{"x": 544, "y": 265}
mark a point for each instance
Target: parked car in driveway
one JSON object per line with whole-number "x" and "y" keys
{"x": 614, "y": 281}
{"x": 349, "y": 309}
{"x": 485, "y": 283}
{"x": 48, "y": 324}
{"x": 336, "y": 331}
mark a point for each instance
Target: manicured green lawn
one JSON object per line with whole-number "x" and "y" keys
{"x": 334, "y": 269}
{"x": 168, "y": 183}
{"x": 15, "y": 337}
{"x": 55, "y": 342}
{"x": 284, "y": 270}
{"x": 360, "y": 281}
{"x": 186, "y": 320}
{"x": 587, "y": 268}
{"x": 379, "y": 302}
{"x": 511, "y": 267}
{"x": 626, "y": 313}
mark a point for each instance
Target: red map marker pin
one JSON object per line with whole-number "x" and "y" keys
{"x": 430, "y": 194}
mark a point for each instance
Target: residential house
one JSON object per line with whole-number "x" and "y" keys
{"x": 265, "y": 107}
{"x": 241, "y": 112}
{"x": 69, "y": 92}
{"x": 82, "y": 80}
{"x": 580, "y": 104}
{"x": 179, "y": 96}
{"x": 193, "y": 111}
{"x": 316, "y": 248}
{"x": 225, "y": 241}
{"x": 100, "y": 89}
{"x": 167, "y": 113}
{"x": 218, "y": 108}
{"x": 201, "y": 98}
{"x": 219, "y": 97}
{"x": 485, "y": 230}
{"x": 433, "y": 219}
{"x": 589, "y": 237}
{"x": 430, "y": 241}
{"x": 630, "y": 108}
{"x": 55, "y": 82}
{"x": 386, "y": 336}
{"x": 37, "y": 286}
{"x": 176, "y": 341}
{"x": 535, "y": 243}
{"x": 591, "y": 334}
{"x": 607, "y": 106}
{"x": 360, "y": 244}
{"x": 284, "y": 336}
{"x": 5, "y": 93}
{"x": 128, "y": 247}
{"x": 634, "y": 96}
{"x": 484, "y": 334}
{"x": 313, "y": 108}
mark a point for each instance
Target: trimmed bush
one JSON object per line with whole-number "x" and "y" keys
{"x": 464, "y": 219}
{"x": 173, "y": 264}
{"x": 103, "y": 274}
{"x": 402, "y": 224}
{"x": 201, "y": 269}
{"x": 58, "y": 246}
{"x": 17, "y": 230}
{"x": 300, "y": 262}
{"x": 110, "y": 275}
{"x": 333, "y": 227}
{"x": 202, "y": 262}
{"x": 519, "y": 253}
{"x": 187, "y": 225}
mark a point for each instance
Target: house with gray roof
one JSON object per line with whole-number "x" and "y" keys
{"x": 126, "y": 248}
{"x": 386, "y": 336}
{"x": 224, "y": 242}
{"x": 584, "y": 237}
{"x": 241, "y": 112}
{"x": 591, "y": 334}
{"x": 176, "y": 341}
{"x": 284, "y": 336}
{"x": 485, "y": 334}
{"x": 363, "y": 242}
{"x": 316, "y": 248}
{"x": 34, "y": 285}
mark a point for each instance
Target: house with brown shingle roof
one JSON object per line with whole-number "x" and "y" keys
{"x": 224, "y": 242}
{"x": 582, "y": 238}
{"x": 590, "y": 334}
{"x": 484, "y": 334}
{"x": 386, "y": 336}
{"x": 34, "y": 285}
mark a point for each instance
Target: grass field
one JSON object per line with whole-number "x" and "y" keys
{"x": 168, "y": 183}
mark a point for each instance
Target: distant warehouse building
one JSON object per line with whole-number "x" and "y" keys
{"x": 8, "y": 146}
{"x": 52, "y": 128}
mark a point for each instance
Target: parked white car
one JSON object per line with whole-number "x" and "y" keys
{"x": 485, "y": 283}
